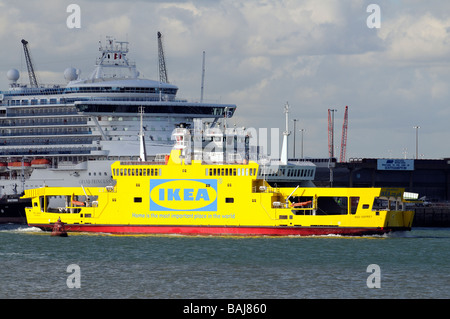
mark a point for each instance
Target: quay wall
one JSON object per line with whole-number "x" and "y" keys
{"x": 431, "y": 217}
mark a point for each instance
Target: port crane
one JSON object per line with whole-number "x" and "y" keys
{"x": 344, "y": 136}
{"x": 31, "y": 74}
{"x": 331, "y": 134}
{"x": 162, "y": 63}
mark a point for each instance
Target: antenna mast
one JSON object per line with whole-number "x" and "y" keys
{"x": 162, "y": 63}
{"x": 284, "y": 147}
{"x": 330, "y": 135}
{"x": 142, "y": 150}
{"x": 31, "y": 74}
{"x": 203, "y": 77}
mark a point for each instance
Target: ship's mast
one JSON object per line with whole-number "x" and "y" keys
{"x": 286, "y": 133}
{"x": 142, "y": 151}
{"x": 203, "y": 78}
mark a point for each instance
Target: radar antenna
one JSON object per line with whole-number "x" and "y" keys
{"x": 162, "y": 63}
{"x": 31, "y": 74}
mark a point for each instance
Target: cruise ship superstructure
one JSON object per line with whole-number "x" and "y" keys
{"x": 69, "y": 135}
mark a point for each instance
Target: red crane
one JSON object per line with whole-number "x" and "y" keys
{"x": 344, "y": 136}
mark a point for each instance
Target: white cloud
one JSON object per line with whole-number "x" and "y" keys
{"x": 262, "y": 53}
{"x": 417, "y": 38}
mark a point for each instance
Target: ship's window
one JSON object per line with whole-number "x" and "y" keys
{"x": 327, "y": 205}
{"x": 384, "y": 204}
{"x": 138, "y": 199}
{"x": 354, "y": 201}
{"x": 229, "y": 200}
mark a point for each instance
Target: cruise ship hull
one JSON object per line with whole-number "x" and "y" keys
{"x": 69, "y": 134}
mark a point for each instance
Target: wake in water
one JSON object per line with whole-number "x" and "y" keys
{"x": 19, "y": 228}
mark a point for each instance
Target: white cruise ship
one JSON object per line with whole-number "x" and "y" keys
{"x": 63, "y": 135}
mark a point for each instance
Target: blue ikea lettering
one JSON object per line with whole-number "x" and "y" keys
{"x": 202, "y": 194}
{"x": 173, "y": 194}
{"x": 188, "y": 194}
{"x": 183, "y": 195}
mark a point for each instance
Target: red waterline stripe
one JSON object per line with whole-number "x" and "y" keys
{"x": 220, "y": 230}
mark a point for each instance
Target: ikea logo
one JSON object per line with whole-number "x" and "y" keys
{"x": 183, "y": 195}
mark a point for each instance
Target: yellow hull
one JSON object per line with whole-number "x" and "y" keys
{"x": 214, "y": 199}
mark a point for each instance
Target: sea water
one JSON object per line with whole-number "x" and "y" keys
{"x": 34, "y": 264}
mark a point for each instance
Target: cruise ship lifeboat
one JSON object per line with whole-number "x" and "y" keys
{"x": 3, "y": 166}
{"x": 40, "y": 163}
{"x": 19, "y": 166}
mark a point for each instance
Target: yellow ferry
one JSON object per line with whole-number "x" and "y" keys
{"x": 178, "y": 196}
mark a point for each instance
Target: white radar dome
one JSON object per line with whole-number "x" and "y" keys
{"x": 13, "y": 75}
{"x": 70, "y": 74}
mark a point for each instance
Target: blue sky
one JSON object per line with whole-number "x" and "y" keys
{"x": 315, "y": 55}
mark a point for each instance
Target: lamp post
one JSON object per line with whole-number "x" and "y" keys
{"x": 295, "y": 121}
{"x": 332, "y": 131}
{"x": 302, "y": 130}
{"x": 417, "y": 140}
